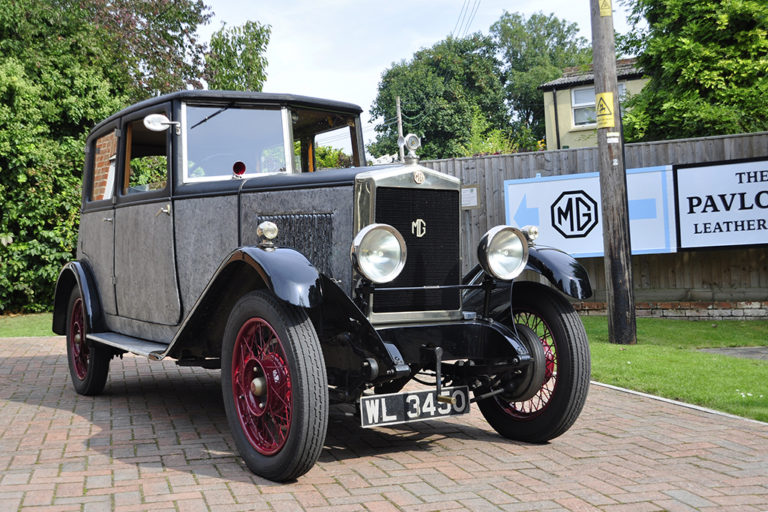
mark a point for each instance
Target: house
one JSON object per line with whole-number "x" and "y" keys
{"x": 569, "y": 103}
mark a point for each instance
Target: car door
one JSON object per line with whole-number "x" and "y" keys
{"x": 146, "y": 284}
{"x": 96, "y": 234}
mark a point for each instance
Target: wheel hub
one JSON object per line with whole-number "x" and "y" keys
{"x": 534, "y": 375}
{"x": 259, "y": 386}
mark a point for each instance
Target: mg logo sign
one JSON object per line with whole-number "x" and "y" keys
{"x": 574, "y": 214}
{"x": 419, "y": 228}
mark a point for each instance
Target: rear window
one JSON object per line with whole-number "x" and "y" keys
{"x": 105, "y": 157}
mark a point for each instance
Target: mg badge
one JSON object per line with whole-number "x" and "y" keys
{"x": 419, "y": 228}
{"x": 418, "y": 177}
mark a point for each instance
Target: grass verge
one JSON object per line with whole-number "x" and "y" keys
{"x": 666, "y": 362}
{"x": 14, "y": 326}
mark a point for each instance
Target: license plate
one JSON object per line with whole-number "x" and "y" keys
{"x": 391, "y": 409}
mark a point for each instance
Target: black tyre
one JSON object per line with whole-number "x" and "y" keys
{"x": 275, "y": 387}
{"x": 558, "y": 403}
{"x": 88, "y": 360}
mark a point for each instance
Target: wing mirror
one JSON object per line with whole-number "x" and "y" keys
{"x": 160, "y": 123}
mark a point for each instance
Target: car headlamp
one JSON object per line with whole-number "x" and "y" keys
{"x": 503, "y": 252}
{"x": 378, "y": 253}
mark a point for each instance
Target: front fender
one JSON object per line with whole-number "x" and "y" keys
{"x": 77, "y": 274}
{"x": 561, "y": 269}
{"x": 286, "y": 272}
{"x": 351, "y": 345}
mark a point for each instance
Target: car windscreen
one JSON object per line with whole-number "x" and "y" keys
{"x": 221, "y": 141}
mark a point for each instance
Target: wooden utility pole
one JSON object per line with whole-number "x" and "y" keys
{"x": 613, "y": 180}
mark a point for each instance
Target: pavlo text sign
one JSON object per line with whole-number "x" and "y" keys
{"x": 722, "y": 204}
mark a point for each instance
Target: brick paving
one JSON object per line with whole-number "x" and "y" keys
{"x": 157, "y": 440}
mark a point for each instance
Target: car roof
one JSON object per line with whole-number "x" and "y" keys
{"x": 242, "y": 97}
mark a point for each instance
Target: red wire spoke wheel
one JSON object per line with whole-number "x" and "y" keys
{"x": 274, "y": 386}
{"x": 88, "y": 361}
{"x": 261, "y": 384}
{"x": 536, "y": 405}
{"x": 76, "y": 340}
{"x": 557, "y": 404}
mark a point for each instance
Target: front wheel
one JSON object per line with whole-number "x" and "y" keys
{"x": 557, "y": 404}
{"x": 275, "y": 386}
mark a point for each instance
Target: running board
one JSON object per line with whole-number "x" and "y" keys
{"x": 153, "y": 350}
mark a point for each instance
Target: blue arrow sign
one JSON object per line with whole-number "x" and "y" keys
{"x": 525, "y": 216}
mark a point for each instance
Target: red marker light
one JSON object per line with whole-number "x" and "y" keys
{"x": 238, "y": 168}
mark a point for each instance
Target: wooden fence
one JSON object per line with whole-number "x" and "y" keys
{"x": 728, "y": 274}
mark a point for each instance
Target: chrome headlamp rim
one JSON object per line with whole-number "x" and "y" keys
{"x": 359, "y": 247}
{"x": 490, "y": 244}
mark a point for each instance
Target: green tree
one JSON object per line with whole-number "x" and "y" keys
{"x": 484, "y": 140}
{"x": 63, "y": 68}
{"x": 534, "y": 51}
{"x": 147, "y": 47}
{"x": 328, "y": 157}
{"x": 236, "y": 59}
{"x": 708, "y": 68}
{"x": 440, "y": 88}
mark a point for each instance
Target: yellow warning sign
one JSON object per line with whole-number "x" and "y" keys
{"x": 604, "y": 110}
{"x": 605, "y": 8}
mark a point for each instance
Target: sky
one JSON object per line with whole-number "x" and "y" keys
{"x": 338, "y": 49}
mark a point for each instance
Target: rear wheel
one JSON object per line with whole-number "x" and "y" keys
{"x": 554, "y": 408}
{"x": 88, "y": 360}
{"x": 274, "y": 386}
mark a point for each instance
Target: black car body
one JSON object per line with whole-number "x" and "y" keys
{"x": 210, "y": 235}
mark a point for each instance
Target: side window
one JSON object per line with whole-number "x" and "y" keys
{"x": 105, "y": 157}
{"x": 324, "y": 140}
{"x": 146, "y": 159}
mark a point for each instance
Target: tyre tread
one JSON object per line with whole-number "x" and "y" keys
{"x": 571, "y": 394}
{"x": 307, "y": 352}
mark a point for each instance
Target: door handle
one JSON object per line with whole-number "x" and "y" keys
{"x": 107, "y": 219}
{"x": 165, "y": 209}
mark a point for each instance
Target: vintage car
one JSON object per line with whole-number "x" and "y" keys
{"x": 209, "y": 234}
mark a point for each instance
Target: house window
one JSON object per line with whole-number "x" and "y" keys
{"x": 583, "y": 104}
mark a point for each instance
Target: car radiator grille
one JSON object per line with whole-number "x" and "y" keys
{"x": 432, "y": 259}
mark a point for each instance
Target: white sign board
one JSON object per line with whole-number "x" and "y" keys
{"x": 567, "y": 210}
{"x": 722, "y": 204}
{"x": 469, "y": 197}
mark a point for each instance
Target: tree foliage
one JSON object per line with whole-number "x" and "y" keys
{"x": 150, "y": 46}
{"x": 328, "y": 157}
{"x": 484, "y": 140}
{"x": 534, "y": 51}
{"x": 440, "y": 90}
{"x": 708, "y": 68}
{"x": 445, "y": 88}
{"x": 64, "y": 66}
{"x": 236, "y": 58}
